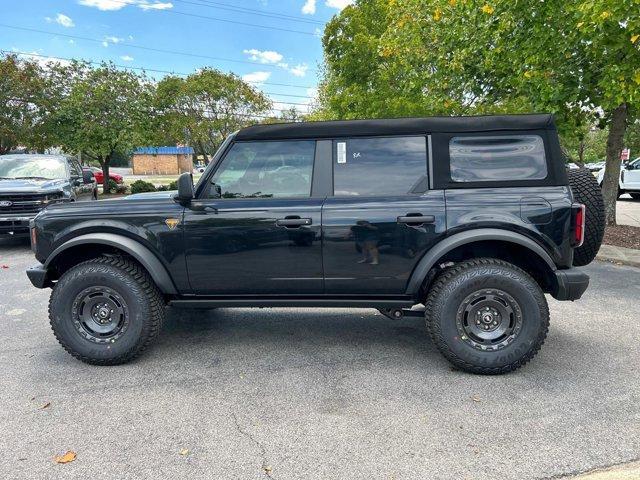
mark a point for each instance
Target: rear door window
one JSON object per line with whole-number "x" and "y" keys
{"x": 497, "y": 158}
{"x": 383, "y": 166}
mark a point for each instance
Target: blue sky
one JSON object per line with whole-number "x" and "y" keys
{"x": 288, "y": 51}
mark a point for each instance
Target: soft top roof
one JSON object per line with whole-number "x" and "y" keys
{"x": 395, "y": 126}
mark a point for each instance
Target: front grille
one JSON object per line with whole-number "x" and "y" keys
{"x": 22, "y": 203}
{"x": 13, "y": 227}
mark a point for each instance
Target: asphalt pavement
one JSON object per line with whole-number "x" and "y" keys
{"x": 313, "y": 394}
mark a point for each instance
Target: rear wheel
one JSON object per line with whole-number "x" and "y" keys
{"x": 487, "y": 316}
{"x": 106, "y": 311}
{"x": 586, "y": 190}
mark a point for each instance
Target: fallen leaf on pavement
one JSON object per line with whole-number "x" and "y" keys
{"x": 267, "y": 469}
{"x": 184, "y": 451}
{"x": 66, "y": 458}
{"x": 476, "y": 398}
{"x": 4, "y": 266}
{"x": 46, "y": 405}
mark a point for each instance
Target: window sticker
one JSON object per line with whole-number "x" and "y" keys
{"x": 342, "y": 152}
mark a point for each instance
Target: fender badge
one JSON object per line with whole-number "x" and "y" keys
{"x": 172, "y": 223}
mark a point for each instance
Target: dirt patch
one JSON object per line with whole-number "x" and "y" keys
{"x": 622, "y": 236}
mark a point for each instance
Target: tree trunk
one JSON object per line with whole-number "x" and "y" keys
{"x": 617, "y": 127}
{"x": 105, "y": 173}
{"x": 581, "y": 152}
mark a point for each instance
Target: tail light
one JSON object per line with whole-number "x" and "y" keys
{"x": 579, "y": 219}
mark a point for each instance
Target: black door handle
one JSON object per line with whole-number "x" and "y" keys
{"x": 416, "y": 219}
{"x": 293, "y": 222}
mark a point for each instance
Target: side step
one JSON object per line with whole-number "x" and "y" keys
{"x": 399, "y": 313}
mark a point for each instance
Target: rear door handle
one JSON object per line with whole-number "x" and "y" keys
{"x": 416, "y": 219}
{"x": 293, "y": 222}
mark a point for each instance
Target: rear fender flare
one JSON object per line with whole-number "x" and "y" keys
{"x": 470, "y": 236}
{"x": 137, "y": 250}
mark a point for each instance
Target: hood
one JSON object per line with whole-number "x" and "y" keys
{"x": 31, "y": 185}
{"x": 149, "y": 195}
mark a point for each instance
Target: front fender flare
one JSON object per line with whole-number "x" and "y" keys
{"x": 137, "y": 250}
{"x": 470, "y": 236}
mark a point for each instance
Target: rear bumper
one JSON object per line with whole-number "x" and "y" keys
{"x": 571, "y": 284}
{"x": 38, "y": 276}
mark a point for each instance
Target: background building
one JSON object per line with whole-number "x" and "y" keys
{"x": 162, "y": 160}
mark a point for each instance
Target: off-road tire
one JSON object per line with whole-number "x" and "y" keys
{"x": 586, "y": 190}
{"x": 635, "y": 196}
{"x": 144, "y": 305}
{"x": 447, "y": 296}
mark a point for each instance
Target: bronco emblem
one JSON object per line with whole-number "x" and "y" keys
{"x": 172, "y": 223}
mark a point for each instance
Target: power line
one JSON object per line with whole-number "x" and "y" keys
{"x": 145, "y": 69}
{"x": 140, "y": 47}
{"x": 216, "y": 19}
{"x": 250, "y": 11}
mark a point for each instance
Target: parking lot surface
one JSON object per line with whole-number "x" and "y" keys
{"x": 303, "y": 393}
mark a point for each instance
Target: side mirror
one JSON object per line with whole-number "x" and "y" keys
{"x": 87, "y": 176}
{"x": 185, "y": 188}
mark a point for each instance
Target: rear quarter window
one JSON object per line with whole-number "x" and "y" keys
{"x": 497, "y": 158}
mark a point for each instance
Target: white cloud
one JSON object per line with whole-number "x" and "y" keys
{"x": 111, "y": 39}
{"x": 309, "y": 7}
{"x": 65, "y": 21}
{"x": 299, "y": 70}
{"x": 106, "y": 5}
{"x": 256, "y": 77}
{"x": 338, "y": 4}
{"x": 263, "y": 56}
{"x": 127, "y": 58}
{"x": 155, "y": 6}
{"x": 42, "y": 60}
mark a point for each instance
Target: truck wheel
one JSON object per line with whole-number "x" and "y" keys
{"x": 586, "y": 190}
{"x": 106, "y": 311}
{"x": 487, "y": 316}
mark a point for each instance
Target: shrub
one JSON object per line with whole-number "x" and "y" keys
{"x": 162, "y": 188}
{"x": 113, "y": 186}
{"x": 140, "y": 186}
{"x": 173, "y": 185}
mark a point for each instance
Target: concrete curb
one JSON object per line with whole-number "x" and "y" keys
{"x": 627, "y": 471}
{"x": 619, "y": 255}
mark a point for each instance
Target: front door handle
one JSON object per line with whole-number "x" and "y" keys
{"x": 416, "y": 219}
{"x": 293, "y": 222}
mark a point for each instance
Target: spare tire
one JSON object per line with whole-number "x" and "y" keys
{"x": 586, "y": 190}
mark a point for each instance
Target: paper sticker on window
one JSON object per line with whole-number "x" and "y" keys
{"x": 342, "y": 152}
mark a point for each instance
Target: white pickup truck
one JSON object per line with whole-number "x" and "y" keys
{"x": 629, "y": 179}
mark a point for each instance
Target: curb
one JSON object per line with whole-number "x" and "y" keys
{"x": 619, "y": 255}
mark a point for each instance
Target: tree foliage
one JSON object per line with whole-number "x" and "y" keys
{"x": 204, "y": 108}
{"x": 578, "y": 59}
{"x": 106, "y": 111}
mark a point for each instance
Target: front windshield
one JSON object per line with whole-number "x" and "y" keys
{"x": 32, "y": 167}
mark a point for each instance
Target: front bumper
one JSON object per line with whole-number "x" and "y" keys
{"x": 15, "y": 225}
{"x": 38, "y": 276}
{"x": 571, "y": 284}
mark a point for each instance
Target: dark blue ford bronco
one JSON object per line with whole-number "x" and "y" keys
{"x": 466, "y": 221}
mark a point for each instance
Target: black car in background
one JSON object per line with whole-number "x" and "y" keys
{"x": 28, "y": 183}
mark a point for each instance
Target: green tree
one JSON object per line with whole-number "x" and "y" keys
{"x": 578, "y": 59}
{"x": 205, "y": 107}
{"x": 22, "y": 105}
{"x": 105, "y": 113}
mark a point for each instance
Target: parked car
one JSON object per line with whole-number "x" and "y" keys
{"x": 472, "y": 217}
{"x": 29, "y": 183}
{"x": 595, "y": 167}
{"x": 97, "y": 173}
{"x": 629, "y": 181}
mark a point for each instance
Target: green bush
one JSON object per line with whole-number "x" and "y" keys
{"x": 173, "y": 185}
{"x": 112, "y": 186}
{"x": 162, "y": 188}
{"x": 140, "y": 186}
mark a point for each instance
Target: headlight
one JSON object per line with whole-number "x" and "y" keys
{"x": 52, "y": 198}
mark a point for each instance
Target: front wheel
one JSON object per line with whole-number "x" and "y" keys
{"x": 487, "y": 316}
{"x": 106, "y": 311}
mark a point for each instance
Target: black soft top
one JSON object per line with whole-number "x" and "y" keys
{"x": 396, "y": 126}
